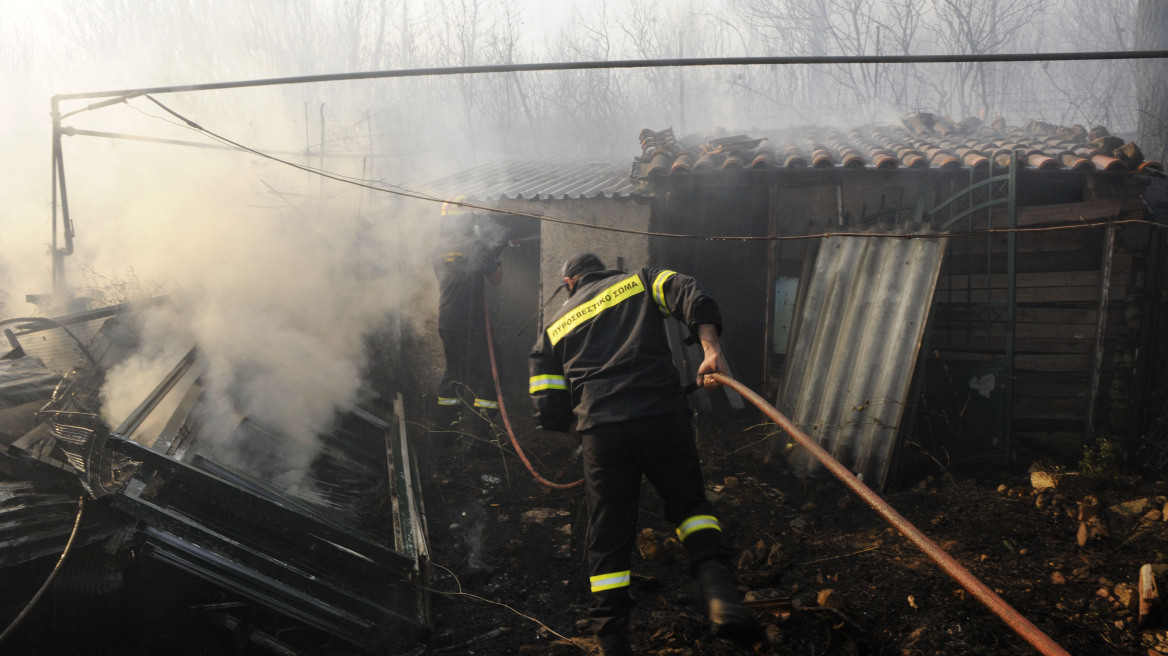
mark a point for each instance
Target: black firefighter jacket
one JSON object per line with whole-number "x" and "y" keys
{"x": 460, "y": 263}
{"x": 605, "y": 354}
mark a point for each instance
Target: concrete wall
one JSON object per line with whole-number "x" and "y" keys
{"x": 558, "y": 241}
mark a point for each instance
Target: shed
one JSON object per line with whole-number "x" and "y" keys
{"x": 976, "y": 291}
{"x": 1019, "y": 261}
{"x": 547, "y": 206}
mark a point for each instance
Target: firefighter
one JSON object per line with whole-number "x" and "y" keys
{"x": 462, "y": 262}
{"x": 603, "y": 372}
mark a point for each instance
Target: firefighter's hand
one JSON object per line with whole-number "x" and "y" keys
{"x": 711, "y": 365}
{"x": 713, "y": 362}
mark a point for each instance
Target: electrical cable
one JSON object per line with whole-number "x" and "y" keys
{"x": 979, "y": 590}
{"x": 406, "y": 193}
{"x": 417, "y": 195}
{"x": 45, "y": 586}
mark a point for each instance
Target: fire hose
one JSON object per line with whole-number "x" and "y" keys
{"x": 987, "y": 597}
{"x": 1023, "y": 627}
{"x": 53, "y": 574}
{"x": 503, "y": 410}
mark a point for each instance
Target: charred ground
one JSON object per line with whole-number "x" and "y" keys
{"x": 509, "y": 575}
{"x": 511, "y": 579}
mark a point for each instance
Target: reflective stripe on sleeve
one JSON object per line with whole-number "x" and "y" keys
{"x": 446, "y": 400}
{"x": 483, "y": 403}
{"x": 697, "y": 523}
{"x": 547, "y": 382}
{"x": 610, "y": 581}
{"x": 659, "y": 291}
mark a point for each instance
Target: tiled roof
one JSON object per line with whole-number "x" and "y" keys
{"x": 921, "y": 141}
{"x": 538, "y": 178}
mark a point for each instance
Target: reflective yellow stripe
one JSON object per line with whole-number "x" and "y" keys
{"x": 446, "y": 400}
{"x": 483, "y": 403}
{"x": 589, "y": 309}
{"x": 659, "y": 290}
{"x": 697, "y": 523}
{"x": 610, "y": 581}
{"x": 546, "y": 382}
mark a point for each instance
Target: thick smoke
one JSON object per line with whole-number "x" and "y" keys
{"x": 278, "y": 300}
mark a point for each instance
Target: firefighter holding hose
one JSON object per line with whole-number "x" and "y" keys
{"x": 602, "y": 371}
{"x": 463, "y": 259}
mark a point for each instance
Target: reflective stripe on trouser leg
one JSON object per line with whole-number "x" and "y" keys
{"x": 447, "y": 400}
{"x": 611, "y": 489}
{"x": 484, "y": 403}
{"x": 697, "y": 523}
{"x": 546, "y": 382}
{"x": 602, "y": 582}
{"x": 612, "y": 603}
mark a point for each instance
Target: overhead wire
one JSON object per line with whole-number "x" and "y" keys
{"x": 416, "y": 195}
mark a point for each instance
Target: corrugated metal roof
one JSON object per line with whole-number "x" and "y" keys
{"x": 857, "y": 340}
{"x": 538, "y": 179}
{"x": 920, "y": 141}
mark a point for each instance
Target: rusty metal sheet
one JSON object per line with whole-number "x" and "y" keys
{"x": 858, "y": 334}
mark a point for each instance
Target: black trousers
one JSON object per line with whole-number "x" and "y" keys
{"x": 467, "y": 376}
{"x": 663, "y": 450}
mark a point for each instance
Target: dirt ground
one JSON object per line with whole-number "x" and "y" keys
{"x": 831, "y": 577}
{"x": 509, "y": 571}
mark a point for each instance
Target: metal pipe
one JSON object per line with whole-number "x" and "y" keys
{"x": 987, "y": 597}
{"x": 634, "y": 63}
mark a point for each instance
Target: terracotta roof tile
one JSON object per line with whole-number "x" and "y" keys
{"x": 919, "y": 141}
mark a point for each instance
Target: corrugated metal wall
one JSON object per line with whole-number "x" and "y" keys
{"x": 858, "y": 335}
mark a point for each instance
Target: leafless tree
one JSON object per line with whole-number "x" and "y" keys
{"x": 1152, "y": 79}
{"x": 978, "y": 27}
{"x": 1084, "y": 92}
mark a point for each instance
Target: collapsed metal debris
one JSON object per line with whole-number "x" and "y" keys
{"x": 346, "y": 553}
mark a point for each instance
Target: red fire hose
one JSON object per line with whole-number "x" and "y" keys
{"x": 954, "y": 569}
{"x": 1019, "y": 624}
{"x": 503, "y": 410}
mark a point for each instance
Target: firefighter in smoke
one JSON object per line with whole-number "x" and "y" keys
{"x": 463, "y": 259}
{"x": 603, "y": 371}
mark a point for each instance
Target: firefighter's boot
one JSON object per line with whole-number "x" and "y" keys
{"x": 616, "y": 644}
{"x": 487, "y": 437}
{"x": 444, "y": 425}
{"x": 730, "y": 619}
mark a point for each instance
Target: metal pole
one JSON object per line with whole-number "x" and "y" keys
{"x": 1011, "y": 303}
{"x": 59, "y": 254}
{"x": 638, "y": 63}
{"x": 58, "y": 264}
{"x": 1100, "y": 330}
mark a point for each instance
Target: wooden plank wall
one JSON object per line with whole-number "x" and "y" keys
{"x": 1059, "y": 278}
